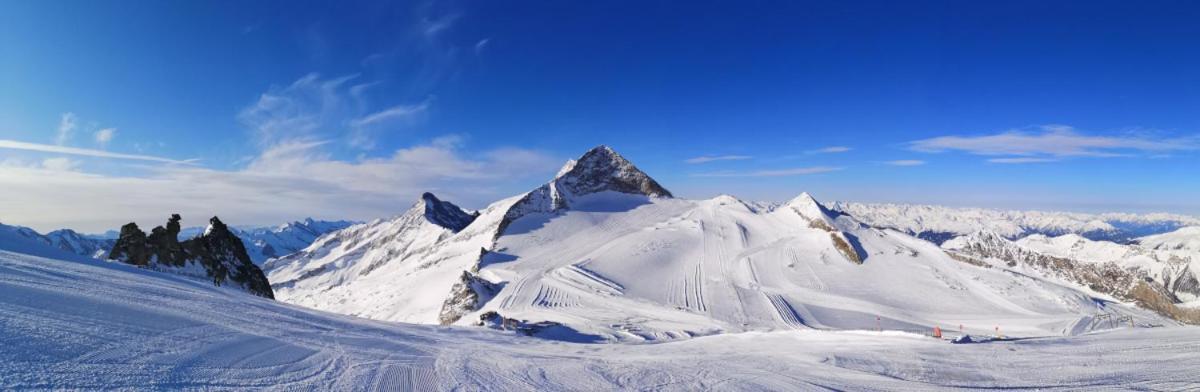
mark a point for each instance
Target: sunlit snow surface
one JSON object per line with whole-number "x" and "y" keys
{"x": 91, "y": 325}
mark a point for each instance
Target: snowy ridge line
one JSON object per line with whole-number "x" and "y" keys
{"x": 938, "y": 223}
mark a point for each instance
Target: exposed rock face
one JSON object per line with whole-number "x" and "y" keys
{"x": 494, "y": 320}
{"x": 598, "y": 170}
{"x": 602, "y": 169}
{"x": 446, "y": 214}
{"x": 466, "y": 296}
{"x": 218, "y": 252}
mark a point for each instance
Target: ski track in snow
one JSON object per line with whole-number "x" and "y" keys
{"x": 91, "y": 325}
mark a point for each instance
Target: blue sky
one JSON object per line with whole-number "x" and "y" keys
{"x": 269, "y": 111}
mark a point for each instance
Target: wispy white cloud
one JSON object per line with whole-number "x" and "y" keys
{"x": 288, "y": 181}
{"x": 398, "y": 112}
{"x": 1019, "y": 160}
{"x": 1054, "y": 141}
{"x": 431, "y": 26}
{"x": 60, "y": 164}
{"x": 799, "y": 171}
{"x": 829, "y": 150}
{"x": 66, "y": 126}
{"x": 328, "y": 109}
{"x": 105, "y": 136}
{"x": 305, "y": 108}
{"x": 905, "y": 162}
{"x": 481, "y": 45}
{"x": 707, "y": 158}
{"x": 55, "y": 149}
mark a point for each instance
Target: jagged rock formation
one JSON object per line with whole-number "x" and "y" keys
{"x": 465, "y": 297}
{"x": 218, "y": 253}
{"x": 598, "y": 170}
{"x": 446, "y": 214}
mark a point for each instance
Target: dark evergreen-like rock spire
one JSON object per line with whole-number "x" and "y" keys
{"x": 218, "y": 251}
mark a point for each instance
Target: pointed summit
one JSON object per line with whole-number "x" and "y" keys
{"x": 603, "y": 169}
{"x": 809, "y": 208}
{"x": 444, "y": 213}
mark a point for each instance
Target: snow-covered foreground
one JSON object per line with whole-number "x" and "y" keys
{"x": 90, "y": 325}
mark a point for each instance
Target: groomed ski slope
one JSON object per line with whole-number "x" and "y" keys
{"x": 90, "y": 325}
{"x": 630, "y": 268}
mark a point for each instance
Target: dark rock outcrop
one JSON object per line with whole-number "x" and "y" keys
{"x": 446, "y": 214}
{"x": 466, "y": 296}
{"x": 217, "y": 251}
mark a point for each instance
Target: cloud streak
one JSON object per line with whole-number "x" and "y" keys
{"x": 54, "y": 149}
{"x": 1020, "y": 160}
{"x": 905, "y": 162}
{"x": 707, "y": 159}
{"x": 799, "y": 171}
{"x": 1053, "y": 141}
{"x": 829, "y": 150}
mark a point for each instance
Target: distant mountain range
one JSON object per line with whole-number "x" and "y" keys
{"x": 261, "y": 243}
{"x": 938, "y": 223}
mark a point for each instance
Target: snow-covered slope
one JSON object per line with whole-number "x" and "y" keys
{"x": 101, "y": 326}
{"x": 606, "y": 252}
{"x": 1157, "y": 280}
{"x": 399, "y": 269}
{"x": 938, "y": 223}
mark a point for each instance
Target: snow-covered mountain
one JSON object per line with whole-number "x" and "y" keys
{"x": 25, "y": 240}
{"x": 938, "y": 223}
{"x": 263, "y": 243}
{"x": 1163, "y": 281}
{"x": 603, "y": 251}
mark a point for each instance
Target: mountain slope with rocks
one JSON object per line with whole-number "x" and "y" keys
{"x": 604, "y": 253}
{"x": 217, "y": 254}
{"x": 1161, "y": 282}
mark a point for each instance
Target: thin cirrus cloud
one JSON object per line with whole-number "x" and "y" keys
{"x": 315, "y": 107}
{"x": 394, "y": 113}
{"x": 829, "y": 150}
{"x": 1051, "y": 143}
{"x": 56, "y": 149}
{"x": 717, "y": 158}
{"x": 905, "y": 162}
{"x": 799, "y": 171}
{"x": 1020, "y": 160}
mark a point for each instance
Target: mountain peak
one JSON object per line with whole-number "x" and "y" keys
{"x": 811, "y": 209}
{"x": 603, "y": 169}
{"x": 444, "y": 213}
